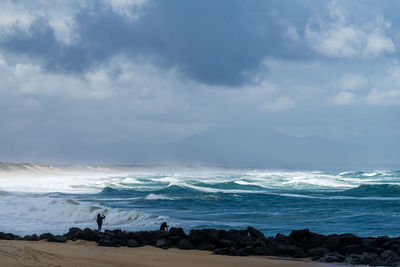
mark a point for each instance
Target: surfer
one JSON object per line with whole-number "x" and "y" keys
{"x": 164, "y": 226}
{"x": 100, "y": 219}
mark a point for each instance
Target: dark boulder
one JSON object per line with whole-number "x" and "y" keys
{"x": 298, "y": 235}
{"x": 197, "y": 236}
{"x": 331, "y": 242}
{"x": 353, "y": 259}
{"x": 366, "y": 258}
{"x": 390, "y": 257}
{"x": 281, "y": 237}
{"x": 222, "y": 251}
{"x": 320, "y": 252}
{"x": 185, "y": 244}
{"x": 352, "y": 249}
{"x": 349, "y": 239}
{"x": 261, "y": 248}
{"x": 205, "y": 245}
{"x": 132, "y": 243}
{"x": 223, "y": 243}
{"x": 33, "y": 237}
{"x": 380, "y": 240}
{"x": 57, "y": 239}
{"x": 164, "y": 243}
{"x": 255, "y": 233}
{"x": 52, "y": 238}
{"x": 315, "y": 239}
{"x": 332, "y": 257}
{"x": 117, "y": 234}
{"x": 89, "y": 235}
{"x": 290, "y": 251}
{"x": 368, "y": 244}
{"x": 9, "y": 236}
{"x": 107, "y": 243}
{"x": 72, "y": 233}
{"x": 177, "y": 232}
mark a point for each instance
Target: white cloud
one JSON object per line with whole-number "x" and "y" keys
{"x": 340, "y": 38}
{"x": 280, "y": 104}
{"x": 343, "y": 98}
{"x": 383, "y": 97}
{"x": 353, "y": 81}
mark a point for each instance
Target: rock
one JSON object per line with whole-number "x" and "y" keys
{"x": 177, "y": 232}
{"x": 132, "y": 243}
{"x": 205, "y": 245}
{"x": 242, "y": 252}
{"x": 185, "y": 244}
{"x": 197, "y": 236}
{"x": 281, "y": 237}
{"x": 390, "y": 257}
{"x": 235, "y": 235}
{"x": 380, "y": 240}
{"x": 263, "y": 251}
{"x": 317, "y": 252}
{"x": 349, "y": 239}
{"x": 107, "y": 243}
{"x": 72, "y": 233}
{"x": 353, "y": 259}
{"x": 116, "y": 235}
{"x": 226, "y": 243}
{"x": 88, "y": 235}
{"x": 9, "y": 236}
{"x": 332, "y": 242}
{"x": 255, "y": 233}
{"x": 175, "y": 239}
{"x": 365, "y": 258}
{"x": 52, "y": 238}
{"x": 332, "y": 257}
{"x": 33, "y": 237}
{"x": 222, "y": 251}
{"x": 57, "y": 239}
{"x": 244, "y": 241}
{"x": 316, "y": 240}
{"x": 368, "y": 243}
{"x": 164, "y": 243}
{"x": 298, "y": 235}
{"x": 290, "y": 251}
{"x": 352, "y": 249}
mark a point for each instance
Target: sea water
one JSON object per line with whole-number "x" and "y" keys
{"x": 363, "y": 203}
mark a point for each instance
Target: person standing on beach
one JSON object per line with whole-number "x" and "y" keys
{"x": 100, "y": 219}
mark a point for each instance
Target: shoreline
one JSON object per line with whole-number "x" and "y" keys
{"x": 298, "y": 245}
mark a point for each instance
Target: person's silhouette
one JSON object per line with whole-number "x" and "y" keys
{"x": 100, "y": 219}
{"x": 164, "y": 226}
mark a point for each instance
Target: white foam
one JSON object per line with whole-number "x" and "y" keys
{"x": 23, "y": 213}
{"x": 158, "y": 197}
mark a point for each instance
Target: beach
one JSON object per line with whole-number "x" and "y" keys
{"x": 84, "y": 253}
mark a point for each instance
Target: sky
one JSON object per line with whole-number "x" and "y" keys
{"x": 306, "y": 84}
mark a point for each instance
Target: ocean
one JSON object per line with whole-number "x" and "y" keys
{"x": 273, "y": 201}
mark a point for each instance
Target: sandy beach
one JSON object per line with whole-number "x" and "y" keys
{"x": 85, "y": 254}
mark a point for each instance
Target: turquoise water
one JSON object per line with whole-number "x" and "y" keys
{"x": 364, "y": 203}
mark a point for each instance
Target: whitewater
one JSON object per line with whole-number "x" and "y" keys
{"x": 140, "y": 198}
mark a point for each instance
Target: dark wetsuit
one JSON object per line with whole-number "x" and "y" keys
{"x": 100, "y": 221}
{"x": 164, "y": 226}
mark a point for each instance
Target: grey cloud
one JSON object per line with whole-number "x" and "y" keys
{"x": 213, "y": 42}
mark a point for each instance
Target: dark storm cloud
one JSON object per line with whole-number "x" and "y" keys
{"x": 213, "y": 42}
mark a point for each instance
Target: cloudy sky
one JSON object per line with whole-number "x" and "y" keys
{"x": 274, "y": 84}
